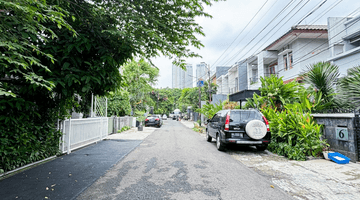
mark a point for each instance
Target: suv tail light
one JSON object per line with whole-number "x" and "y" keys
{"x": 146, "y": 120}
{"x": 266, "y": 123}
{"x": 157, "y": 119}
{"x": 227, "y": 122}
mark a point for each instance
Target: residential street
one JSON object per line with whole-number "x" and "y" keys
{"x": 176, "y": 163}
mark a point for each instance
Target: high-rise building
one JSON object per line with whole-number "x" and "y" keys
{"x": 180, "y": 78}
{"x": 201, "y": 72}
{"x": 189, "y": 77}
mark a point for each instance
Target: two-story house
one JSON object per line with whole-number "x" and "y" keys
{"x": 289, "y": 55}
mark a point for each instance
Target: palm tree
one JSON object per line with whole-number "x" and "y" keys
{"x": 349, "y": 87}
{"x": 323, "y": 76}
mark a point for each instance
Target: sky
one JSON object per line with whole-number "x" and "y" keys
{"x": 241, "y": 28}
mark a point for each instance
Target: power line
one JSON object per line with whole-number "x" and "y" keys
{"x": 241, "y": 32}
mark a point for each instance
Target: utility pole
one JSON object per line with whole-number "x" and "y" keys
{"x": 199, "y": 84}
{"x": 209, "y": 84}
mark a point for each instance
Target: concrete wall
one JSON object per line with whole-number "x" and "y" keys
{"x": 221, "y": 71}
{"x": 330, "y": 122}
{"x": 216, "y": 98}
{"x": 242, "y": 74}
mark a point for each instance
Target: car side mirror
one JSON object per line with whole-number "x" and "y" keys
{"x": 208, "y": 120}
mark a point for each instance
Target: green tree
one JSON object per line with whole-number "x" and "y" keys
{"x": 21, "y": 27}
{"x": 119, "y": 103}
{"x": 323, "y": 76}
{"x": 140, "y": 76}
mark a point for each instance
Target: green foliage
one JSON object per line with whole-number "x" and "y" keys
{"x": 139, "y": 78}
{"x": 209, "y": 110}
{"x": 274, "y": 93}
{"x": 197, "y": 128}
{"x": 288, "y": 109}
{"x": 154, "y": 27}
{"x": 349, "y": 89}
{"x": 295, "y": 127}
{"x": 323, "y": 76}
{"x": 140, "y": 116}
{"x": 26, "y": 134}
{"x": 125, "y": 128}
{"x": 56, "y": 54}
{"x": 20, "y": 28}
{"x": 118, "y": 103}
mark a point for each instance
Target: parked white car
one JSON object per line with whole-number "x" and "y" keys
{"x": 164, "y": 117}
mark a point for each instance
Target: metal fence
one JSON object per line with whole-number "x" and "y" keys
{"x": 78, "y": 133}
{"x": 120, "y": 122}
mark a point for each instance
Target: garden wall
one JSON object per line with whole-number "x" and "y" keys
{"x": 340, "y": 133}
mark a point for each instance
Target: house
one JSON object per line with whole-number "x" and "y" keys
{"x": 344, "y": 42}
{"x": 289, "y": 55}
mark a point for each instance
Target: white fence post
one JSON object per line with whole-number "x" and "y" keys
{"x": 68, "y": 142}
{"x": 92, "y": 106}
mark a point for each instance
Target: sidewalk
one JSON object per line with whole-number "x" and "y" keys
{"x": 67, "y": 176}
{"x": 132, "y": 134}
{"x": 188, "y": 123}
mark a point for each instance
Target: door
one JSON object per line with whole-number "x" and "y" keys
{"x": 213, "y": 125}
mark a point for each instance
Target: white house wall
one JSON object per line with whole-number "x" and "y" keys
{"x": 232, "y": 83}
{"x": 305, "y": 52}
{"x": 346, "y": 55}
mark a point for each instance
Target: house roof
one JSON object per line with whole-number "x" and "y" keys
{"x": 310, "y": 27}
{"x": 299, "y": 31}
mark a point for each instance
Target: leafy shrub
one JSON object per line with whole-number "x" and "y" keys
{"x": 209, "y": 110}
{"x": 125, "y": 128}
{"x": 295, "y": 133}
{"x": 25, "y": 135}
{"x": 288, "y": 107}
{"x": 198, "y": 128}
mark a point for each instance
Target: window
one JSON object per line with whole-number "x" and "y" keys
{"x": 272, "y": 68}
{"x": 285, "y": 62}
{"x": 288, "y": 61}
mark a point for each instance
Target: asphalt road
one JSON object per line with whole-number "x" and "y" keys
{"x": 175, "y": 162}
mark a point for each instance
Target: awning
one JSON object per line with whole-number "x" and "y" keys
{"x": 243, "y": 95}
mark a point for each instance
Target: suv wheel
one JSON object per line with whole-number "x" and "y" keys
{"x": 261, "y": 147}
{"x": 219, "y": 145}
{"x": 208, "y": 137}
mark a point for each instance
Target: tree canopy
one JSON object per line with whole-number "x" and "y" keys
{"x": 53, "y": 52}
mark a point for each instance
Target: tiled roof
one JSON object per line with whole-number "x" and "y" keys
{"x": 309, "y": 27}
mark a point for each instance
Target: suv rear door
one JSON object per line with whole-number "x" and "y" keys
{"x": 239, "y": 119}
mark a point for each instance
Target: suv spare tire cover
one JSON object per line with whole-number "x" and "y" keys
{"x": 256, "y": 129}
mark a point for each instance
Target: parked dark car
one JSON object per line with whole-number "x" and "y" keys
{"x": 154, "y": 120}
{"x": 239, "y": 127}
